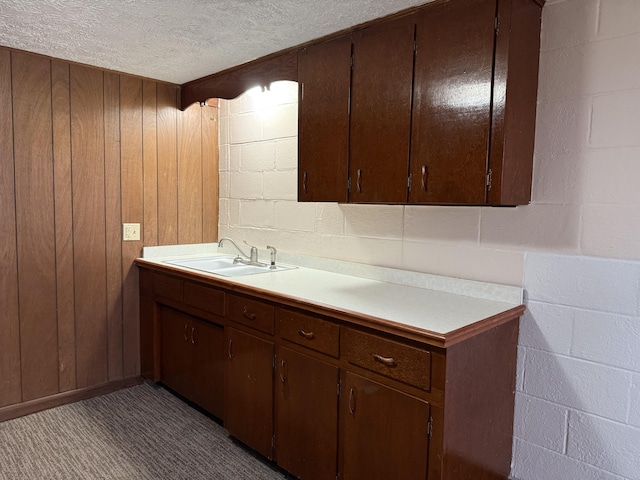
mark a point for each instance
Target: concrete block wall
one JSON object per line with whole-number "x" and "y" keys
{"x": 578, "y": 393}
{"x": 576, "y": 248}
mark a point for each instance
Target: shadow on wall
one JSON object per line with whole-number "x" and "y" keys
{"x": 577, "y": 415}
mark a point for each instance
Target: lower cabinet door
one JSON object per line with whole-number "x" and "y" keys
{"x": 249, "y": 390}
{"x": 177, "y": 353}
{"x": 208, "y": 367}
{"x": 385, "y": 432}
{"x": 192, "y": 359}
{"x": 307, "y": 415}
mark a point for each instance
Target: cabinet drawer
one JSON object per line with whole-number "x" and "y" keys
{"x": 309, "y": 332}
{"x": 402, "y": 362}
{"x": 168, "y": 287}
{"x": 205, "y": 298}
{"x": 253, "y": 313}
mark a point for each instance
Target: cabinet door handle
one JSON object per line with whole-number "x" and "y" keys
{"x": 388, "y": 361}
{"x": 307, "y": 335}
{"x": 248, "y": 314}
{"x": 424, "y": 178}
{"x": 359, "y": 181}
{"x": 193, "y": 340}
{"x": 352, "y": 401}
{"x": 230, "y": 349}
{"x": 283, "y": 378}
{"x": 186, "y": 337}
{"x": 304, "y": 182}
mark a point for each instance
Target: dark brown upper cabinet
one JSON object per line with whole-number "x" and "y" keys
{"x": 515, "y": 90}
{"x": 324, "y": 80}
{"x": 443, "y": 105}
{"x": 433, "y": 105}
{"x": 452, "y": 102}
{"x": 380, "y": 122}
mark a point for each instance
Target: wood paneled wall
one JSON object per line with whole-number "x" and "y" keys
{"x": 82, "y": 151}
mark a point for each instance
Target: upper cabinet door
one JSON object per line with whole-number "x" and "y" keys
{"x": 452, "y": 102}
{"x": 381, "y": 112}
{"x": 324, "y": 76}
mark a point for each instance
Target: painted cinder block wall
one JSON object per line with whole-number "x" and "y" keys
{"x": 575, "y": 249}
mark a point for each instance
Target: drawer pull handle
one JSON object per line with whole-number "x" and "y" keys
{"x": 193, "y": 340}
{"x": 352, "y": 401}
{"x": 186, "y": 338}
{"x": 307, "y": 335}
{"x": 230, "y": 349}
{"x": 248, "y": 314}
{"x": 283, "y": 378}
{"x": 388, "y": 361}
{"x": 359, "y": 181}
{"x": 424, "y": 178}
{"x": 304, "y": 182}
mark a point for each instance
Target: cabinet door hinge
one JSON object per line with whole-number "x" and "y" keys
{"x": 489, "y": 179}
{"x": 430, "y": 427}
{"x": 409, "y": 182}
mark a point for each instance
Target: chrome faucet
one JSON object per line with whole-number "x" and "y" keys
{"x": 251, "y": 259}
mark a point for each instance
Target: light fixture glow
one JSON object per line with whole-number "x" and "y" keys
{"x": 264, "y": 99}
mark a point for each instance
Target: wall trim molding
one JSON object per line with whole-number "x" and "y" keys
{"x": 26, "y": 408}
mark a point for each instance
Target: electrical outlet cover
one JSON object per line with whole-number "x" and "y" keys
{"x": 130, "y": 232}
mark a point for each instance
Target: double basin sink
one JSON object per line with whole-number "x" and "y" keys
{"x": 224, "y": 265}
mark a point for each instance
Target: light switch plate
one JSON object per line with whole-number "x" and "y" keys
{"x": 130, "y": 232}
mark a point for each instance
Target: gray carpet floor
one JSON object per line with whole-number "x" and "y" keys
{"x": 139, "y": 433}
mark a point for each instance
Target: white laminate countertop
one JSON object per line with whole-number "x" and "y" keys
{"x": 425, "y": 302}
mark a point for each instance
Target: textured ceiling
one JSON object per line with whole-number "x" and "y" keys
{"x": 177, "y": 40}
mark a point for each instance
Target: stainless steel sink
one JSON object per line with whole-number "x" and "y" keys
{"x": 208, "y": 264}
{"x": 223, "y": 265}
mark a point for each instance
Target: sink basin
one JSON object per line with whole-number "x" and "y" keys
{"x": 208, "y": 264}
{"x": 223, "y": 265}
{"x": 239, "y": 270}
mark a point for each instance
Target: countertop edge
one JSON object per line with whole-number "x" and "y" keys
{"x": 437, "y": 339}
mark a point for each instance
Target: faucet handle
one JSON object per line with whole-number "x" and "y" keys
{"x": 273, "y": 256}
{"x": 254, "y": 251}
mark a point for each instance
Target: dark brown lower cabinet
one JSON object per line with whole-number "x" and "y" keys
{"x": 385, "y": 432}
{"x": 249, "y": 390}
{"x": 307, "y": 415}
{"x": 339, "y": 399}
{"x": 192, "y": 359}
